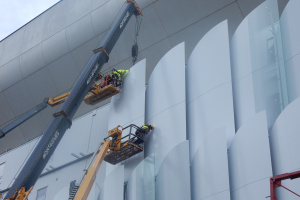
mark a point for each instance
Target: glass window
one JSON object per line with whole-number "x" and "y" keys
{"x": 41, "y": 194}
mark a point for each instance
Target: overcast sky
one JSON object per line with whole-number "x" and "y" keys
{"x": 16, "y": 13}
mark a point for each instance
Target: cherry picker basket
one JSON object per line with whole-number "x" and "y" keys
{"x": 120, "y": 151}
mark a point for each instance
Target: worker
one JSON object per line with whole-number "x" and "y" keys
{"x": 141, "y": 132}
{"x": 107, "y": 80}
{"x": 117, "y": 76}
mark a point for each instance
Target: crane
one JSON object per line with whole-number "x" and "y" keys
{"x": 62, "y": 120}
{"x": 97, "y": 93}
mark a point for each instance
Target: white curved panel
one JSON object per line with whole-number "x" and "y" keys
{"x": 250, "y": 160}
{"x": 77, "y": 9}
{"x": 165, "y": 105}
{"x": 128, "y": 107}
{"x": 114, "y": 185}
{"x": 33, "y": 33}
{"x": 289, "y": 29}
{"x": 29, "y": 65}
{"x": 141, "y": 184}
{"x": 97, "y": 3}
{"x": 50, "y": 48}
{"x": 55, "y": 19}
{"x": 80, "y": 32}
{"x": 284, "y": 139}
{"x": 129, "y": 104}
{"x": 63, "y": 72}
{"x": 209, "y": 93}
{"x": 12, "y": 46}
{"x": 209, "y": 169}
{"x": 291, "y": 43}
{"x": 10, "y": 73}
{"x": 173, "y": 177}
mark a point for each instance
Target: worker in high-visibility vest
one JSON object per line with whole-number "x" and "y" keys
{"x": 117, "y": 76}
{"x": 141, "y": 132}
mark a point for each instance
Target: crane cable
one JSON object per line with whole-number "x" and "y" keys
{"x": 134, "y": 49}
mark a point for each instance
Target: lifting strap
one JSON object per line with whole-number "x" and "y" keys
{"x": 102, "y": 49}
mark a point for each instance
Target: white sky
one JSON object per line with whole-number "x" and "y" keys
{"x": 16, "y": 13}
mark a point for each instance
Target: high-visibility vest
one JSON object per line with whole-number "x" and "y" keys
{"x": 144, "y": 127}
{"x": 119, "y": 73}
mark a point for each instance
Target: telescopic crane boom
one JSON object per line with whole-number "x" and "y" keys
{"x": 63, "y": 119}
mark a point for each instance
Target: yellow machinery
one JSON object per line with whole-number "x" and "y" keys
{"x": 99, "y": 91}
{"x": 114, "y": 149}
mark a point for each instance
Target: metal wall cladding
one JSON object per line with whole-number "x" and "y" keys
{"x": 128, "y": 107}
{"x": 173, "y": 177}
{"x": 209, "y": 169}
{"x": 291, "y": 46}
{"x": 249, "y": 157}
{"x": 209, "y": 93}
{"x": 114, "y": 185}
{"x": 285, "y": 148}
{"x": 165, "y": 105}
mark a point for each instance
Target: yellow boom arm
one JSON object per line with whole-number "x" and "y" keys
{"x": 89, "y": 179}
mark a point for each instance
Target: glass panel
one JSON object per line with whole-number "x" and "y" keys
{"x": 41, "y": 194}
{"x": 268, "y": 70}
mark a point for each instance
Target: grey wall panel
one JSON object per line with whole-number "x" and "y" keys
{"x": 55, "y": 19}
{"x": 173, "y": 178}
{"x": 196, "y": 31}
{"x": 16, "y": 93}
{"x": 41, "y": 85}
{"x": 165, "y": 105}
{"x": 83, "y": 53}
{"x": 80, "y": 32}
{"x": 209, "y": 169}
{"x": 141, "y": 184}
{"x": 257, "y": 69}
{"x": 128, "y": 107}
{"x": 114, "y": 185}
{"x": 28, "y": 64}
{"x": 13, "y": 46}
{"x": 250, "y": 161}
{"x": 33, "y": 33}
{"x": 291, "y": 43}
{"x": 209, "y": 94}
{"x": 63, "y": 72}
{"x": 103, "y": 17}
{"x": 49, "y": 47}
{"x": 76, "y": 9}
{"x": 175, "y": 19}
{"x": 97, "y": 3}
{"x": 248, "y": 6}
{"x": 10, "y": 73}
{"x": 6, "y": 112}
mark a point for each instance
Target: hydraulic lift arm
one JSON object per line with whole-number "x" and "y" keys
{"x": 89, "y": 179}
{"x": 23, "y": 118}
{"x": 63, "y": 119}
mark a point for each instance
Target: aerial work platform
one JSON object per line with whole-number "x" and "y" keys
{"x": 99, "y": 94}
{"x": 122, "y": 148}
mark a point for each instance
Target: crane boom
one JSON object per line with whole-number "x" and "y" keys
{"x": 63, "y": 119}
